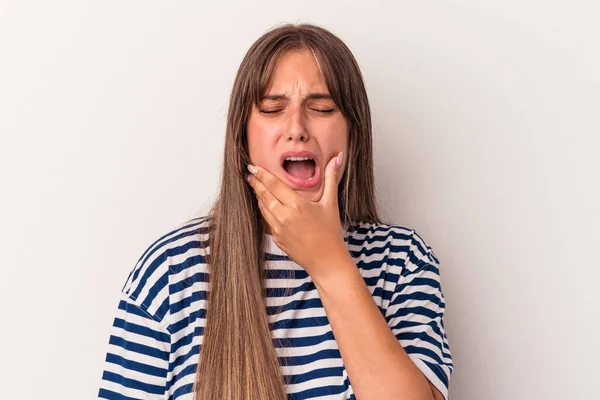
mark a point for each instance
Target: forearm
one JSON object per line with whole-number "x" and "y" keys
{"x": 377, "y": 365}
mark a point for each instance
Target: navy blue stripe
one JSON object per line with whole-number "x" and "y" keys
{"x": 280, "y": 292}
{"x": 304, "y": 341}
{"x": 136, "y": 366}
{"x": 319, "y": 391}
{"x": 418, "y": 310}
{"x": 372, "y": 233}
{"x": 417, "y": 296}
{"x": 274, "y": 273}
{"x": 382, "y": 248}
{"x": 193, "y": 222}
{"x": 132, "y": 383}
{"x": 295, "y": 305}
{"x": 188, "y": 370}
{"x": 403, "y": 325}
{"x": 367, "y": 265}
{"x": 276, "y": 257}
{"x": 141, "y": 330}
{"x": 187, "y": 301}
{"x": 168, "y": 252}
{"x": 395, "y": 250}
{"x": 422, "y": 336}
{"x": 187, "y": 339}
{"x": 315, "y": 374}
{"x": 141, "y": 281}
{"x": 153, "y": 292}
{"x": 185, "y": 283}
{"x": 437, "y": 370}
{"x": 138, "y": 348}
{"x": 109, "y": 394}
{"x": 189, "y": 320}
{"x": 300, "y": 323}
{"x": 307, "y": 359}
{"x": 190, "y": 261}
{"x": 133, "y": 309}
{"x": 428, "y": 253}
{"x": 180, "y": 360}
{"x": 185, "y": 389}
{"x": 162, "y": 310}
{"x": 410, "y": 349}
{"x": 163, "y": 256}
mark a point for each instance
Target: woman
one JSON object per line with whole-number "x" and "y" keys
{"x": 311, "y": 294}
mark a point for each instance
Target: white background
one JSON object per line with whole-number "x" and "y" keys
{"x": 486, "y": 134}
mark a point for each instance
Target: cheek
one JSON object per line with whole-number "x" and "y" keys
{"x": 262, "y": 142}
{"x": 337, "y": 139}
{"x": 257, "y": 150}
{"x": 339, "y": 132}
{"x": 254, "y": 137}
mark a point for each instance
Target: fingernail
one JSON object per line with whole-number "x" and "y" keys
{"x": 338, "y": 160}
{"x": 251, "y": 169}
{"x": 248, "y": 178}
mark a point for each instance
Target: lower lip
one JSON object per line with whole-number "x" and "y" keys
{"x": 304, "y": 183}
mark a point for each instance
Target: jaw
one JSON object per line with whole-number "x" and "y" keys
{"x": 313, "y": 194}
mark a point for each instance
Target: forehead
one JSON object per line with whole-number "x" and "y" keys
{"x": 296, "y": 71}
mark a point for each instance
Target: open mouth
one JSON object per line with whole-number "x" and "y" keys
{"x": 300, "y": 167}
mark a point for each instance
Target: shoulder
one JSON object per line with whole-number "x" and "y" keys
{"x": 147, "y": 284}
{"x": 403, "y": 245}
{"x": 379, "y": 235}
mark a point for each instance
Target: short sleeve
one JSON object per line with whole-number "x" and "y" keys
{"x": 415, "y": 314}
{"x": 137, "y": 359}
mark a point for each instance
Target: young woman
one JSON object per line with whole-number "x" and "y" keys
{"x": 311, "y": 295}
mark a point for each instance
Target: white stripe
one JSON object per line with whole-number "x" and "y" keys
{"x": 378, "y": 269}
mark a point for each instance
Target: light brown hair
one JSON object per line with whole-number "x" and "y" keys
{"x": 238, "y": 359}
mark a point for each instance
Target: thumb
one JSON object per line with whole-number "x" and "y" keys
{"x": 330, "y": 194}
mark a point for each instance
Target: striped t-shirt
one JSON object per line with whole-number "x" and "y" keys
{"x": 157, "y": 334}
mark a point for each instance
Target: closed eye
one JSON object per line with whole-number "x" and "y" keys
{"x": 325, "y": 111}
{"x": 276, "y": 111}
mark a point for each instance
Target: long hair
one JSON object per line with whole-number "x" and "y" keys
{"x": 238, "y": 359}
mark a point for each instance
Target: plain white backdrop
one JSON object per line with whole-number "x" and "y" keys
{"x": 486, "y": 135}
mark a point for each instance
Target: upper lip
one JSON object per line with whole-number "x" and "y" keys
{"x": 302, "y": 153}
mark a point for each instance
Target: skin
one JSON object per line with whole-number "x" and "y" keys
{"x": 299, "y": 123}
{"x": 309, "y": 219}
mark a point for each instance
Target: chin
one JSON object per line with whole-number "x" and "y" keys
{"x": 312, "y": 195}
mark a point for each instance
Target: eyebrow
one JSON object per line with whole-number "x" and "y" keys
{"x": 312, "y": 96}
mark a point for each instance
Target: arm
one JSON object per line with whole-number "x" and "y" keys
{"x": 137, "y": 359}
{"x": 377, "y": 365}
{"x": 413, "y": 317}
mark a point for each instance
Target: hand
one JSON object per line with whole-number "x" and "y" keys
{"x": 309, "y": 232}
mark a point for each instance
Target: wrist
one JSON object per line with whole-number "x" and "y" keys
{"x": 334, "y": 270}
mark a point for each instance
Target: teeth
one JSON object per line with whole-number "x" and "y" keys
{"x": 297, "y": 158}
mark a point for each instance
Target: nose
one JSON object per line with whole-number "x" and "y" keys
{"x": 296, "y": 127}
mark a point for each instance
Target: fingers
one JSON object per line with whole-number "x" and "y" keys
{"x": 282, "y": 192}
{"x": 330, "y": 194}
{"x": 265, "y": 197}
{"x": 269, "y": 217}
{"x": 267, "y": 203}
